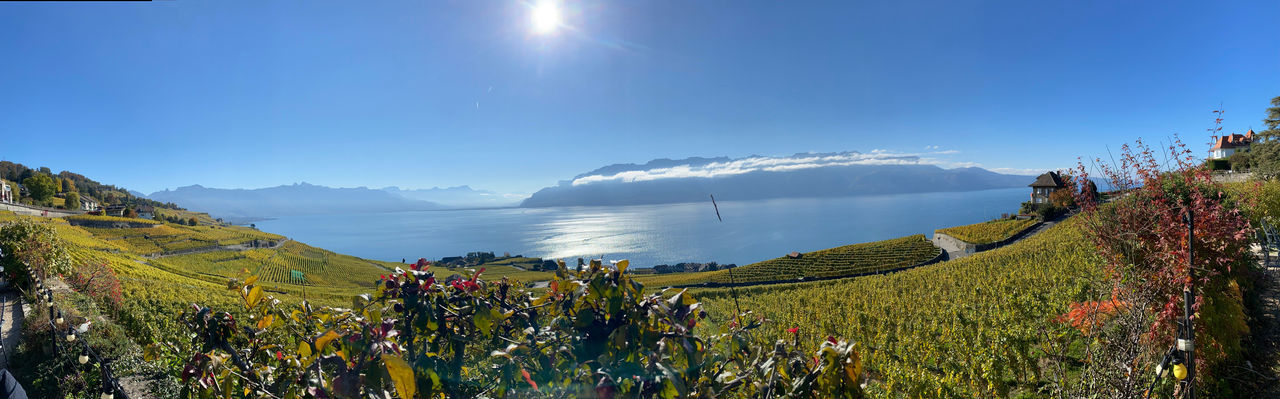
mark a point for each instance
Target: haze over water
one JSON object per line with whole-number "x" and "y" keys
{"x": 648, "y": 234}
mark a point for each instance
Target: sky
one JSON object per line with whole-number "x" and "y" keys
{"x": 416, "y": 94}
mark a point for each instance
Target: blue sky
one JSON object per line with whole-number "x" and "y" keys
{"x": 424, "y": 93}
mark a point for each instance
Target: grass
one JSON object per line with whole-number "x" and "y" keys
{"x": 833, "y": 262}
{"x": 987, "y": 232}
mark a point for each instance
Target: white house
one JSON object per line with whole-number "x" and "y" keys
{"x": 6, "y": 192}
{"x": 1224, "y": 146}
{"x": 88, "y": 204}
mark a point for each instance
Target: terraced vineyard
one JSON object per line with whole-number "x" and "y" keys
{"x": 104, "y": 218}
{"x": 989, "y": 231}
{"x": 172, "y": 237}
{"x": 847, "y": 260}
{"x": 971, "y": 327}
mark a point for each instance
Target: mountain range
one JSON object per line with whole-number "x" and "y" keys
{"x": 295, "y": 199}
{"x": 458, "y": 197}
{"x": 655, "y": 182}
{"x": 760, "y": 177}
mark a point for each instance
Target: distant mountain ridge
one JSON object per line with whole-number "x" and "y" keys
{"x": 757, "y": 177}
{"x": 458, "y": 196}
{"x": 295, "y": 199}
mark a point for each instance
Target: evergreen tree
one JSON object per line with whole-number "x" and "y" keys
{"x": 1266, "y": 152}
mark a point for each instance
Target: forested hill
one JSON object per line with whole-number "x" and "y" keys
{"x": 295, "y": 199}
{"x": 67, "y": 182}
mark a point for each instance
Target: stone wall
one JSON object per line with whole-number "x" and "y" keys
{"x": 970, "y": 248}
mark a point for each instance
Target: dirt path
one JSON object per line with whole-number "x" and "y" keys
{"x": 1266, "y": 334}
{"x": 11, "y": 317}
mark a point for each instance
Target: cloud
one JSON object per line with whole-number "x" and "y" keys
{"x": 774, "y": 164}
{"x": 1022, "y": 171}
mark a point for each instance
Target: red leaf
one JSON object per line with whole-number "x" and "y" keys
{"x": 528, "y": 379}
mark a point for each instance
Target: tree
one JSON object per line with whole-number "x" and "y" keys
{"x": 130, "y": 213}
{"x": 192, "y": 222}
{"x": 57, "y": 185}
{"x": 1265, "y": 151}
{"x": 1273, "y": 117}
{"x": 68, "y": 186}
{"x": 73, "y": 200}
{"x": 40, "y": 186}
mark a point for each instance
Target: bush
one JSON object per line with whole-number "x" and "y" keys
{"x": 1240, "y": 161}
{"x": 72, "y": 201}
{"x": 592, "y": 333}
{"x": 1064, "y": 198}
{"x": 1143, "y": 237}
{"x": 1044, "y": 211}
{"x": 1218, "y": 164}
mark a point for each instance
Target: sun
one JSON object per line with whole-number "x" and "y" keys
{"x": 546, "y": 17}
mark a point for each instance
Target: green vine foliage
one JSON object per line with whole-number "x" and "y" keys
{"x": 592, "y": 333}
{"x": 26, "y": 244}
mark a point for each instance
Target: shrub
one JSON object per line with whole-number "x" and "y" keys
{"x": 97, "y": 281}
{"x": 1064, "y": 198}
{"x": 1240, "y": 161}
{"x": 1218, "y": 164}
{"x": 1144, "y": 238}
{"x": 28, "y": 245}
{"x": 72, "y": 200}
{"x": 591, "y": 334}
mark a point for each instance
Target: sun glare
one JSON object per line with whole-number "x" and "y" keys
{"x": 546, "y": 17}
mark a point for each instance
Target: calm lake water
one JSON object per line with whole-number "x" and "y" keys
{"x": 648, "y": 234}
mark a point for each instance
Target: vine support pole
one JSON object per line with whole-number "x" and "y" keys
{"x": 1187, "y": 342}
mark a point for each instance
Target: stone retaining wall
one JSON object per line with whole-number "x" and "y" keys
{"x": 970, "y": 248}
{"x": 30, "y": 210}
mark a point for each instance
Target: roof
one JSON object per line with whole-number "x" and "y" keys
{"x": 1233, "y": 141}
{"x": 1049, "y": 179}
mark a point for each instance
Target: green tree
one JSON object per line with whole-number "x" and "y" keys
{"x": 1266, "y": 151}
{"x": 1273, "y": 118}
{"x": 1240, "y": 161}
{"x": 40, "y": 186}
{"x": 192, "y": 222}
{"x": 68, "y": 186}
{"x": 73, "y": 200}
{"x": 130, "y": 213}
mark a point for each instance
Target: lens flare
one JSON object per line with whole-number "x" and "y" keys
{"x": 546, "y": 17}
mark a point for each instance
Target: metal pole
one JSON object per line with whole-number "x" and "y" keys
{"x": 1188, "y": 300}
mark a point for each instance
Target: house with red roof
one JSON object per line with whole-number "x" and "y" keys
{"x": 1224, "y": 146}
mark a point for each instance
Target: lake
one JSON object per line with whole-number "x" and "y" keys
{"x": 648, "y": 234}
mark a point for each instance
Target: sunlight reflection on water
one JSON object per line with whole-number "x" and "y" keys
{"x": 648, "y": 234}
